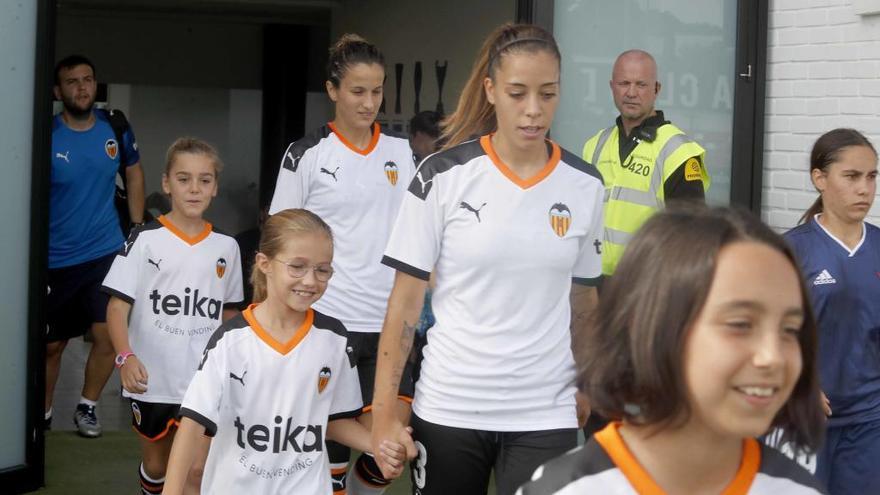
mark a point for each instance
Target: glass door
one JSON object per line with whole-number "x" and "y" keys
{"x": 707, "y": 56}
{"x": 25, "y": 61}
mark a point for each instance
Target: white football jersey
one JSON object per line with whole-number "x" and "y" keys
{"x": 506, "y": 252}
{"x": 358, "y": 193}
{"x": 604, "y": 464}
{"x": 178, "y": 287}
{"x": 267, "y": 404}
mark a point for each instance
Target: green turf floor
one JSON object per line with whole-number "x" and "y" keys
{"x": 76, "y": 465}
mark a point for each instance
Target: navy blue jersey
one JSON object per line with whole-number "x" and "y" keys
{"x": 845, "y": 289}
{"x": 83, "y": 223}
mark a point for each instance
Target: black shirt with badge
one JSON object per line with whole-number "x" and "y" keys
{"x": 676, "y": 187}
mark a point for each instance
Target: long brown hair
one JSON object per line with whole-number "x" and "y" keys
{"x": 826, "y": 151}
{"x": 474, "y": 115}
{"x": 634, "y": 368}
{"x": 277, "y": 230}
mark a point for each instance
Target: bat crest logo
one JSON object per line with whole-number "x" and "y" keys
{"x": 221, "y": 267}
{"x": 111, "y": 148}
{"x": 136, "y": 412}
{"x": 323, "y": 378}
{"x": 560, "y": 219}
{"x": 391, "y": 173}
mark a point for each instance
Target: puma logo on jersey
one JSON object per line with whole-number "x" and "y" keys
{"x": 475, "y": 211}
{"x": 423, "y": 182}
{"x": 332, "y": 174}
{"x": 299, "y": 438}
{"x": 560, "y": 219}
{"x": 65, "y": 156}
{"x": 294, "y": 161}
{"x": 154, "y": 263}
{"x": 239, "y": 378}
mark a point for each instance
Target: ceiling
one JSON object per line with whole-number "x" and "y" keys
{"x": 277, "y": 11}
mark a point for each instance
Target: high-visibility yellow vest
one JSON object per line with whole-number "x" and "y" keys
{"x": 634, "y": 189}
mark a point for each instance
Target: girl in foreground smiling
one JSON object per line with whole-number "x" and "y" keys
{"x": 704, "y": 341}
{"x": 278, "y": 380}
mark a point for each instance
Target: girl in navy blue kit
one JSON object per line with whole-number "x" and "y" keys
{"x": 839, "y": 254}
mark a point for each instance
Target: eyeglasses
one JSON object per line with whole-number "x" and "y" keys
{"x": 322, "y": 272}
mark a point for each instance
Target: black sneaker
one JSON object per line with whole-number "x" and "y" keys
{"x": 86, "y": 421}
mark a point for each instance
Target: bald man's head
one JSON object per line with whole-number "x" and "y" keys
{"x": 634, "y": 86}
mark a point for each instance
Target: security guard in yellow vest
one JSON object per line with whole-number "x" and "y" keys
{"x": 644, "y": 160}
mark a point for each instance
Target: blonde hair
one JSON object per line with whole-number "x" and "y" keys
{"x": 277, "y": 230}
{"x": 193, "y": 146}
{"x": 474, "y": 115}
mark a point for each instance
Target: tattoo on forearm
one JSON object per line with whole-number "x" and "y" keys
{"x": 406, "y": 341}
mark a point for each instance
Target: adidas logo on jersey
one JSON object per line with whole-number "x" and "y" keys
{"x": 309, "y": 438}
{"x": 824, "y": 278}
{"x": 190, "y": 304}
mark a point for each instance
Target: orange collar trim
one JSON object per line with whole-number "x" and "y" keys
{"x": 555, "y": 155}
{"x": 281, "y": 348}
{"x": 366, "y": 151}
{"x": 610, "y": 440}
{"x": 192, "y": 241}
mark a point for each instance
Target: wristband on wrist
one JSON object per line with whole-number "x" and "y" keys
{"x": 122, "y": 357}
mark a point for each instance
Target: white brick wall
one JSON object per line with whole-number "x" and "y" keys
{"x": 823, "y": 72}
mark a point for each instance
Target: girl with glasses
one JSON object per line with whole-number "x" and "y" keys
{"x": 278, "y": 380}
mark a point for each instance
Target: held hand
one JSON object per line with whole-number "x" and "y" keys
{"x": 826, "y": 404}
{"x": 133, "y": 376}
{"x": 583, "y": 408}
{"x": 392, "y": 456}
{"x": 385, "y": 435}
{"x": 406, "y": 441}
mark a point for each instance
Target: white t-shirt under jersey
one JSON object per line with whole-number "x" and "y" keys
{"x": 267, "y": 404}
{"x": 178, "y": 286}
{"x": 358, "y": 193}
{"x": 506, "y": 252}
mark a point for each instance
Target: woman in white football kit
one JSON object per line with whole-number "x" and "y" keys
{"x": 278, "y": 380}
{"x": 353, "y": 174}
{"x": 512, "y": 223}
{"x": 704, "y": 341}
{"x": 169, "y": 288}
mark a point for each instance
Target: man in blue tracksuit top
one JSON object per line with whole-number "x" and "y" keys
{"x": 84, "y": 229}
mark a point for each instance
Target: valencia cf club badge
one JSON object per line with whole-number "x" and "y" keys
{"x": 560, "y": 219}
{"x": 323, "y": 379}
{"x": 136, "y": 412}
{"x": 111, "y": 148}
{"x": 391, "y": 172}
{"x": 221, "y": 267}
